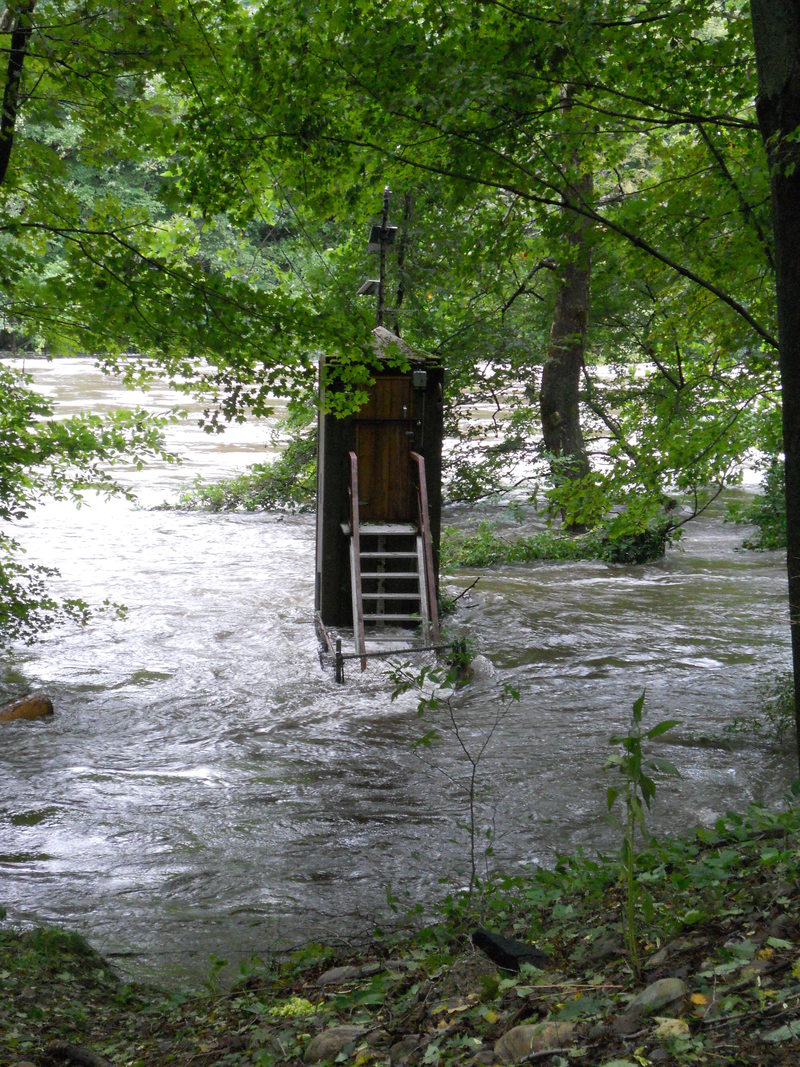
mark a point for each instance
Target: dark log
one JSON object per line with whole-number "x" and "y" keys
{"x": 60, "y": 1052}
{"x": 35, "y": 706}
{"x": 507, "y": 952}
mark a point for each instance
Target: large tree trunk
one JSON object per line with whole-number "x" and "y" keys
{"x": 17, "y": 20}
{"x": 776, "y": 30}
{"x": 561, "y": 375}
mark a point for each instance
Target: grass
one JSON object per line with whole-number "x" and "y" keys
{"x": 725, "y": 917}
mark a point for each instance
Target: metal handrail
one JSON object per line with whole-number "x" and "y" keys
{"x": 355, "y": 533}
{"x": 427, "y": 547}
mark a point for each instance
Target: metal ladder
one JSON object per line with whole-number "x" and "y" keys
{"x": 390, "y": 574}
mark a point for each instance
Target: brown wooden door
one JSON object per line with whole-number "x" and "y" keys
{"x": 384, "y": 430}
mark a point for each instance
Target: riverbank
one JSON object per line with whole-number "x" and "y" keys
{"x": 719, "y": 940}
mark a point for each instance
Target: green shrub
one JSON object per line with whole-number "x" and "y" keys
{"x": 767, "y": 511}
{"x": 643, "y": 546}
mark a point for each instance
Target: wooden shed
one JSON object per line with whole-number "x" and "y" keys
{"x": 379, "y": 500}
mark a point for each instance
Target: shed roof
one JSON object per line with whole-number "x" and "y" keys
{"x": 384, "y": 341}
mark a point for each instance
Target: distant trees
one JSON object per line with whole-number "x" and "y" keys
{"x": 101, "y": 249}
{"x": 133, "y": 143}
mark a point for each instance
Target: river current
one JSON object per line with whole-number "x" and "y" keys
{"x": 205, "y": 788}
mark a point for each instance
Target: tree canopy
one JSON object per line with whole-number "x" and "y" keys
{"x": 490, "y": 116}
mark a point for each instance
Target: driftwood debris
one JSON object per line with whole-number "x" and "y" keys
{"x": 33, "y": 706}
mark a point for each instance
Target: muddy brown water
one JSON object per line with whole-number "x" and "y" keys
{"x": 204, "y": 788}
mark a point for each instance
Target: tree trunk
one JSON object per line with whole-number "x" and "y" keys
{"x": 20, "y": 25}
{"x": 561, "y": 375}
{"x": 776, "y": 31}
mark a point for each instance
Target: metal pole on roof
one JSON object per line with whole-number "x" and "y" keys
{"x": 380, "y": 237}
{"x": 387, "y": 195}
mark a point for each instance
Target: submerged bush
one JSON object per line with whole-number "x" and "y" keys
{"x": 642, "y": 546}
{"x": 286, "y": 484}
{"x": 775, "y": 717}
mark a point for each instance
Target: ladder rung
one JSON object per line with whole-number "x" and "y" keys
{"x": 390, "y": 574}
{"x": 392, "y": 618}
{"x": 389, "y": 596}
{"x": 378, "y": 529}
{"x": 382, "y": 529}
{"x": 396, "y": 639}
{"x": 388, "y": 555}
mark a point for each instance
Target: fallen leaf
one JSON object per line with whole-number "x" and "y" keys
{"x": 789, "y": 1032}
{"x": 671, "y": 1028}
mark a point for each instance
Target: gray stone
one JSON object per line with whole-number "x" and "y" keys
{"x": 605, "y": 947}
{"x": 347, "y": 974}
{"x": 679, "y": 944}
{"x": 660, "y": 994}
{"x": 329, "y": 1043}
{"x": 626, "y": 1024}
{"x": 657, "y": 959}
{"x": 782, "y": 925}
{"x": 657, "y": 996}
{"x": 377, "y": 1037}
{"x": 405, "y": 1051}
{"x": 399, "y": 965}
{"x": 665, "y": 993}
{"x": 520, "y": 1041}
{"x": 595, "y": 1031}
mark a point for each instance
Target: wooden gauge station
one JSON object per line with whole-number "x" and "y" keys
{"x": 379, "y": 506}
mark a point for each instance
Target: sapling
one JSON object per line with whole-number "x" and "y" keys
{"x": 437, "y": 687}
{"x": 637, "y": 790}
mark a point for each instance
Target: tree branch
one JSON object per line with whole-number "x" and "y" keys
{"x": 744, "y": 204}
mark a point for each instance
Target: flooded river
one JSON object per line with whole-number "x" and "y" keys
{"x": 205, "y": 788}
